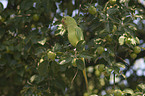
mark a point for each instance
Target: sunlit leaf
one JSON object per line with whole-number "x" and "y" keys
{"x": 43, "y": 41}
{"x": 121, "y": 40}
{"x": 120, "y": 65}
{"x": 127, "y": 90}
{"x": 142, "y": 86}
{"x": 66, "y": 60}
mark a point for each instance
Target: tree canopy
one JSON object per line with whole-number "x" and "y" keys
{"x": 37, "y": 59}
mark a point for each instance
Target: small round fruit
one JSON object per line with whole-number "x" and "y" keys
{"x": 86, "y": 94}
{"x": 137, "y": 49}
{"x": 133, "y": 55}
{"x": 112, "y": 1}
{"x": 117, "y": 93}
{"x": 90, "y": 69}
{"x": 35, "y": 17}
{"x": 92, "y": 10}
{"x": 91, "y": 87}
{"x": 100, "y": 50}
{"x": 97, "y": 72}
{"x": 101, "y": 67}
{"x": 112, "y": 54}
{"x": 33, "y": 26}
{"x": 51, "y": 55}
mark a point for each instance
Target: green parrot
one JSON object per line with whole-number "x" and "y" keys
{"x": 75, "y": 34}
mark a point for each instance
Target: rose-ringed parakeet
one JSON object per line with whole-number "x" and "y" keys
{"x": 75, "y": 34}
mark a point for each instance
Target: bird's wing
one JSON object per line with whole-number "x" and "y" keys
{"x": 79, "y": 33}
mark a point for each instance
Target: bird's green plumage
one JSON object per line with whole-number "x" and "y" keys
{"x": 75, "y": 34}
{"x": 79, "y": 33}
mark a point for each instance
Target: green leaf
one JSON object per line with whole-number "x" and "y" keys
{"x": 66, "y": 60}
{"x": 120, "y": 65}
{"x": 105, "y": 55}
{"x": 39, "y": 78}
{"x": 133, "y": 41}
{"x": 1, "y": 7}
{"x": 39, "y": 51}
{"x": 25, "y": 5}
{"x": 127, "y": 20}
{"x": 60, "y": 30}
{"x": 111, "y": 11}
{"x": 70, "y": 72}
{"x": 63, "y": 67}
{"x": 137, "y": 40}
{"x": 142, "y": 86}
{"x": 109, "y": 26}
{"x": 43, "y": 68}
{"x": 127, "y": 90}
{"x": 20, "y": 71}
{"x": 121, "y": 40}
{"x": 59, "y": 83}
{"x": 33, "y": 78}
{"x": 57, "y": 47}
{"x": 80, "y": 45}
{"x": 80, "y": 64}
{"x": 116, "y": 69}
{"x": 54, "y": 67}
{"x": 43, "y": 41}
{"x": 114, "y": 19}
{"x": 86, "y": 56}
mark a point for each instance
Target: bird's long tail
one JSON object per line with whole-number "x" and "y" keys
{"x": 85, "y": 76}
{"x": 84, "y": 73}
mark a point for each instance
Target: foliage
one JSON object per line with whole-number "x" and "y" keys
{"x": 36, "y": 57}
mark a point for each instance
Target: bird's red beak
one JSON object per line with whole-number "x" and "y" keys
{"x": 63, "y": 22}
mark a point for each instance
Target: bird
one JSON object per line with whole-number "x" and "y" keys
{"x": 75, "y": 34}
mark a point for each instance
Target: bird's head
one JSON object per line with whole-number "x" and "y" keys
{"x": 67, "y": 20}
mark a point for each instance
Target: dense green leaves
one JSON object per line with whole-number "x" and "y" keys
{"x": 80, "y": 64}
{"x": 36, "y": 57}
{"x": 80, "y": 45}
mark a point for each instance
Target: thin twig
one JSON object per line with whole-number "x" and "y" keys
{"x": 114, "y": 80}
{"x": 74, "y": 76}
{"x": 91, "y": 1}
{"x": 122, "y": 60}
{"x": 105, "y": 6}
{"x": 23, "y": 15}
